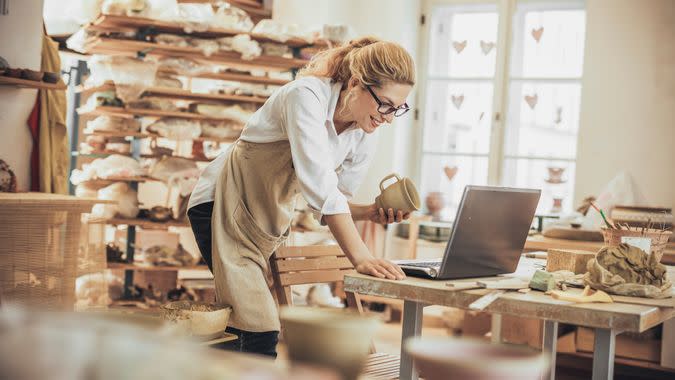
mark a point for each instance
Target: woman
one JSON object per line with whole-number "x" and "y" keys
{"x": 312, "y": 136}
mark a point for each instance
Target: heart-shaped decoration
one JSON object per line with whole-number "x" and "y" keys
{"x": 558, "y": 115}
{"x": 531, "y": 100}
{"x": 486, "y": 47}
{"x": 480, "y": 117}
{"x": 457, "y": 100}
{"x": 450, "y": 172}
{"x": 536, "y": 33}
{"x": 459, "y": 46}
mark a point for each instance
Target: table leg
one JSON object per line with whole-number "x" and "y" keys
{"x": 496, "y": 328}
{"x": 550, "y": 347}
{"x": 412, "y": 326}
{"x": 603, "y": 354}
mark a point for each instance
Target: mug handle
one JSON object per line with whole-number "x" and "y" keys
{"x": 392, "y": 175}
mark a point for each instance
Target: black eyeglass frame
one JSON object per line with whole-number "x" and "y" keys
{"x": 389, "y": 107}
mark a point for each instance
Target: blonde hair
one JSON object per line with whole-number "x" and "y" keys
{"x": 372, "y": 61}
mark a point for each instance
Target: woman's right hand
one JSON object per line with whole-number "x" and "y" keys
{"x": 380, "y": 268}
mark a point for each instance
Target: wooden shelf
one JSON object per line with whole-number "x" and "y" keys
{"x": 121, "y": 179}
{"x": 154, "y": 136}
{"x": 112, "y": 46}
{"x": 143, "y": 223}
{"x": 234, "y": 77}
{"x": 174, "y": 93}
{"x": 158, "y": 268}
{"x": 25, "y": 83}
{"x": 131, "y": 112}
{"x": 108, "y": 23}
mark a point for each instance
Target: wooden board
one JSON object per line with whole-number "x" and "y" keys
{"x": 157, "y": 268}
{"x": 153, "y": 136}
{"x": 226, "y": 337}
{"x": 131, "y": 112}
{"x": 573, "y": 260}
{"x": 26, "y": 83}
{"x": 139, "y": 222}
{"x": 47, "y": 201}
{"x": 176, "y": 93}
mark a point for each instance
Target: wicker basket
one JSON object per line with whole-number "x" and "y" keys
{"x": 659, "y": 238}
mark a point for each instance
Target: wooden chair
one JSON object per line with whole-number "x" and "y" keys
{"x": 320, "y": 264}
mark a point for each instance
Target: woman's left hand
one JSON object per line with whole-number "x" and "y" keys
{"x": 380, "y": 216}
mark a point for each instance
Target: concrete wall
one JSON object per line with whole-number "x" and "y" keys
{"x": 21, "y": 46}
{"x": 628, "y": 98}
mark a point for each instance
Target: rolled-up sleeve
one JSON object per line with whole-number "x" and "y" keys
{"x": 305, "y": 123}
{"x": 355, "y": 166}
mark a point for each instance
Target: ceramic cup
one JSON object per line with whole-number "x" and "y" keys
{"x": 465, "y": 358}
{"x": 330, "y": 338}
{"x": 400, "y": 195}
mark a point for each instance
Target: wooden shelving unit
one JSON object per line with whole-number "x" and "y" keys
{"x": 138, "y": 48}
{"x": 25, "y": 83}
{"x": 175, "y": 93}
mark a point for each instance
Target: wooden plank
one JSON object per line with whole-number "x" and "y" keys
{"x": 159, "y": 268}
{"x": 130, "y": 47}
{"x": 573, "y": 260}
{"x": 112, "y": 23}
{"x": 26, "y": 83}
{"x": 320, "y": 263}
{"x": 34, "y": 199}
{"x": 131, "y": 112}
{"x": 226, "y": 337}
{"x": 141, "y": 223}
{"x": 297, "y": 278}
{"x": 309, "y": 251}
{"x": 152, "y": 136}
{"x": 176, "y": 93}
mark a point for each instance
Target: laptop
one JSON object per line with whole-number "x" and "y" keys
{"x": 487, "y": 237}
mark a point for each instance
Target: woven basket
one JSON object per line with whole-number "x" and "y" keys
{"x": 659, "y": 238}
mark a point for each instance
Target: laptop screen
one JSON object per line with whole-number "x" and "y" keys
{"x": 489, "y": 232}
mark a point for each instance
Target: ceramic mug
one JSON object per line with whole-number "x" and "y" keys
{"x": 400, "y": 195}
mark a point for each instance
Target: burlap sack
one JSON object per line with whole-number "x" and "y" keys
{"x": 628, "y": 271}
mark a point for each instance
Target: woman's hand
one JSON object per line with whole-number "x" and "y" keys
{"x": 380, "y": 216}
{"x": 380, "y": 268}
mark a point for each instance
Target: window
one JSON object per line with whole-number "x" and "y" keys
{"x": 501, "y": 99}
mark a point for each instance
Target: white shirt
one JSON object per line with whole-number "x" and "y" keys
{"x": 329, "y": 167}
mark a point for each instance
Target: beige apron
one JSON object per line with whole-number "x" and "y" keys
{"x": 254, "y": 205}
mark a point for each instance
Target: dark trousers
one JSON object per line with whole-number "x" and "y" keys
{"x": 264, "y": 343}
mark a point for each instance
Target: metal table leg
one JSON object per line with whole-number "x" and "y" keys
{"x": 496, "y": 328}
{"x": 412, "y": 326}
{"x": 603, "y": 354}
{"x": 550, "y": 347}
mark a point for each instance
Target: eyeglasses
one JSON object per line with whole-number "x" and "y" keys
{"x": 386, "y": 108}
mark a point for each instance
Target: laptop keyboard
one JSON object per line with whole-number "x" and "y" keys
{"x": 424, "y": 264}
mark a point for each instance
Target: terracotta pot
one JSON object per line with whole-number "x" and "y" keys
{"x": 454, "y": 358}
{"x": 435, "y": 202}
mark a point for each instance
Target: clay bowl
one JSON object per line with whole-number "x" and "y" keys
{"x": 330, "y": 338}
{"x": 160, "y": 214}
{"x": 202, "y": 320}
{"x": 454, "y": 358}
{"x": 50, "y": 77}
{"x": 32, "y": 75}
{"x": 13, "y": 73}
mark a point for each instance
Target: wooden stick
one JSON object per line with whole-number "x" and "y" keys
{"x": 485, "y": 300}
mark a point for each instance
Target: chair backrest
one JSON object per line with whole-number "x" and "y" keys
{"x": 307, "y": 265}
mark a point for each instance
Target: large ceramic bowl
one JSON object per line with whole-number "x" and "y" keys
{"x": 455, "y": 358}
{"x": 199, "y": 319}
{"x": 327, "y": 337}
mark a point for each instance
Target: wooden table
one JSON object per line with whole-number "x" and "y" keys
{"x": 608, "y": 320}
{"x": 541, "y": 243}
